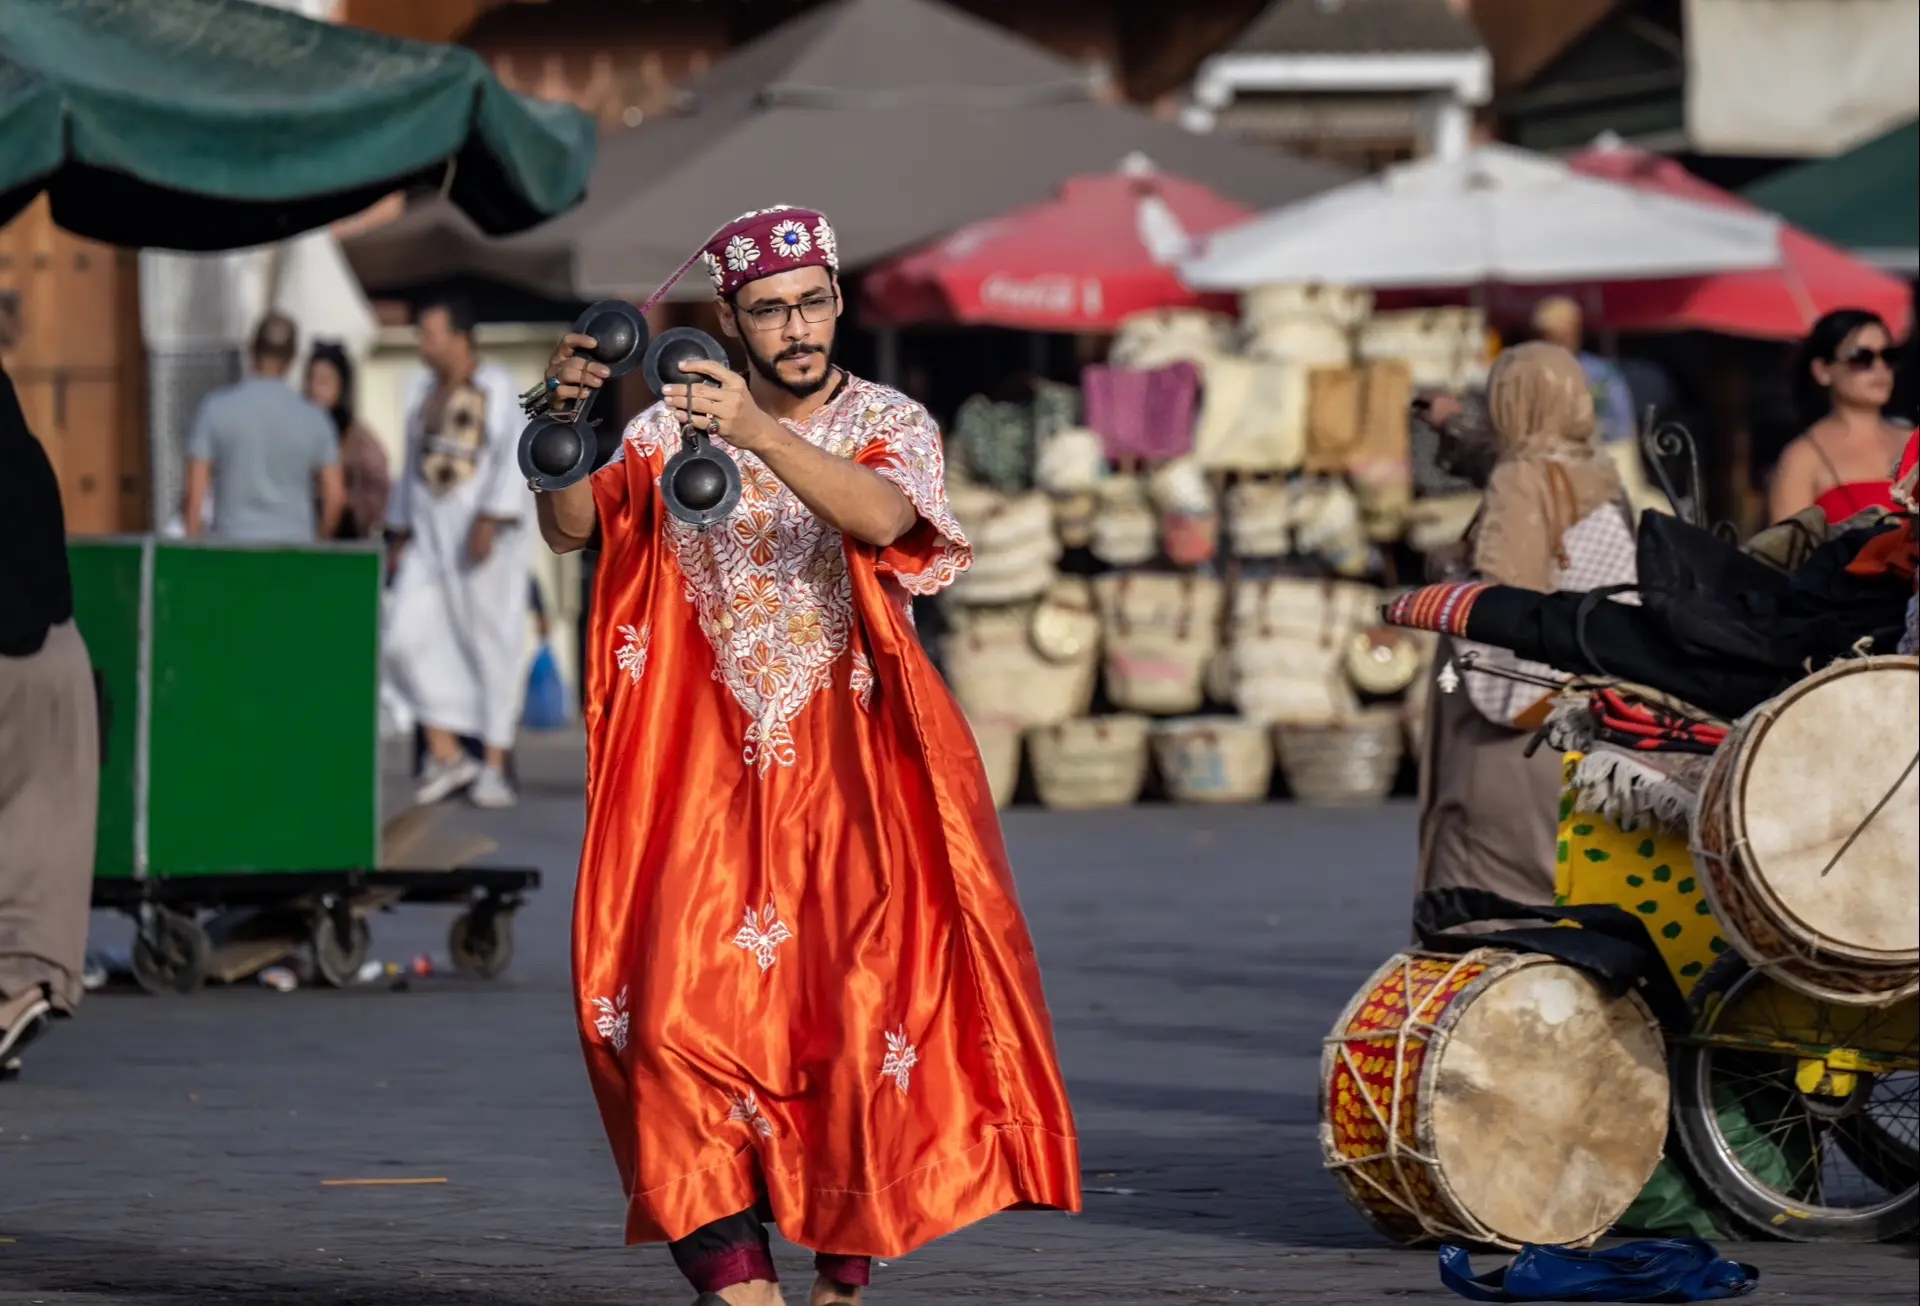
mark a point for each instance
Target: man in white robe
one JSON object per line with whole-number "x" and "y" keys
{"x": 460, "y": 520}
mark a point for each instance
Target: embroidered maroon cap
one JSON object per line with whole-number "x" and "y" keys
{"x": 760, "y": 244}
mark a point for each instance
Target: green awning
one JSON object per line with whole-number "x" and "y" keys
{"x": 218, "y": 124}
{"x": 1865, "y": 199}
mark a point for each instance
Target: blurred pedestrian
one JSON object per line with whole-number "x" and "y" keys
{"x": 1843, "y": 463}
{"x": 1555, "y": 517}
{"x": 460, "y": 521}
{"x": 1558, "y": 320}
{"x": 805, "y": 987}
{"x": 49, "y": 748}
{"x": 265, "y": 453}
{"x": 363, "y": 462}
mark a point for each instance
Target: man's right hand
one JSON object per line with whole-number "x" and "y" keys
{"x": 579, "y": 377}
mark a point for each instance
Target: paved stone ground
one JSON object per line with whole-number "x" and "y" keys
{"x": 171, "y": 1152}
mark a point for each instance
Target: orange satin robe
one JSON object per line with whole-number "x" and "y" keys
{"x": 799, "y": 959}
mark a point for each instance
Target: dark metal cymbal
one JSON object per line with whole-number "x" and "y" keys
{"x": 700, "y": 484}
{"x": 619, "y": 333}
{"x": 556, "y": 452}
{"x": 671, "y": 349}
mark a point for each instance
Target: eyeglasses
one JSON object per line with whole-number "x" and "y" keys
{"x": 772, "y": 317}
{"x": 1863, "y": 359}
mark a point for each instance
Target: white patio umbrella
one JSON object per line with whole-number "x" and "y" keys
{"x": 1495, "y": 214}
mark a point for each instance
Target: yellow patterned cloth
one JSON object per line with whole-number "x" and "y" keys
{"x": 1648, "y": 871}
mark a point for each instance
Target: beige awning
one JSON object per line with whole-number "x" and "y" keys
{"x": 1799, "y": 78}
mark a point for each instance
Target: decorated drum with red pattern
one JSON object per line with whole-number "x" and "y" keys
{"x": 1493, "y": 1098}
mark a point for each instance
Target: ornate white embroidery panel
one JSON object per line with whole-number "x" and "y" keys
{"x": 769, "y": 584}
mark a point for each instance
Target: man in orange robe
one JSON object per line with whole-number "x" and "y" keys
{"x": 806, "y": 992}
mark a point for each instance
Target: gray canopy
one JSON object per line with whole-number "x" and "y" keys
{"x": 900, "y": 119}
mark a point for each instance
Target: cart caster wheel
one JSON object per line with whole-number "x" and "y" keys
{"x": 481, "y": 943}
{"x": 171, "y": 953}
{"x": 337, "y": 961}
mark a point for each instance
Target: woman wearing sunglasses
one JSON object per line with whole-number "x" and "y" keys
{"x": 1843, "y": 464}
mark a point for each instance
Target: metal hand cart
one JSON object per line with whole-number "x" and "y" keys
{"x": 240, "y": 779}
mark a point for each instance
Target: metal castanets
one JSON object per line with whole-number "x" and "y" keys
{"x": 700, "y": 484}
{"x": 557, "y": 448}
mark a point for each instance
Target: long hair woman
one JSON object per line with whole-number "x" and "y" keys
{"x": 329, "y": 387}
{"x": 1843, "y": 462}
{"x": 1555, "y": 517}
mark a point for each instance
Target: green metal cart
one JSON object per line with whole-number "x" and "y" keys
{"x": 241, "y": 777}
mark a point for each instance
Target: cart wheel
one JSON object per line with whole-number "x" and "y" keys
{"x": 338, "y": 961}
{"x": 481, "y": 943}
{"x": 170, "y": 954}
{"x": 1800, "y": 1116}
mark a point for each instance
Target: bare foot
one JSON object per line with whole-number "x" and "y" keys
{"x": 755, "y": 1292}
{"x": 828, "y": 1293}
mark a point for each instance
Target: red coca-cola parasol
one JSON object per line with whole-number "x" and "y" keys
{"x": 1776, "y": 304}
{"x": 1105, "y": 246}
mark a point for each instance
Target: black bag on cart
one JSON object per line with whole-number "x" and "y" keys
{"x": 1717, "y": 602}
{"x": 1607, "y": 942}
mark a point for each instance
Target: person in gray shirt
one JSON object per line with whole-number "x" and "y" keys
{"x": 265, "y": 453}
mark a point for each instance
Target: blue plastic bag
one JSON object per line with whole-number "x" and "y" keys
{"x": 1656, "y": 1270}
{"x": 546, "y": 693}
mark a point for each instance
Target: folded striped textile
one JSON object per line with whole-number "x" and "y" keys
{"x": 1443, "y": 608}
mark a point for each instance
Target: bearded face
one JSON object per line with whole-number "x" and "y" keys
{"x": 786, "y": 325}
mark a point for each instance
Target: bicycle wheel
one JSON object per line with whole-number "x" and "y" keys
{"x": 1801, "y": 1117}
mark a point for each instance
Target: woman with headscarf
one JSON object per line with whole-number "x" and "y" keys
{"x": 1554, "y": 517}
{"x": 330, "y": 388}
{"x": 49, "y": 747}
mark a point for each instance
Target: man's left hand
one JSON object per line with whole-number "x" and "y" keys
{"x": 480, "y": 540}
{"x": 725, "y": 409}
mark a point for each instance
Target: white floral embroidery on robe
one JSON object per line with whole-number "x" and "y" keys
{"x": 611, "y": 1021}
{"x": 860, "y": 680}
{"x": 900, "y": 1060}
{"x": 763, "y": 932}
{"x": 769, "y": 584}
{"x": 745, "y": 1110}
{"x": 631, "y": 656}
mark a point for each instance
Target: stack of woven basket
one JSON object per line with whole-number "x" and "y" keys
{"x": 1231, "y": 629}
{"x": 1014, "y": 546}
{"x": 1298, "y": 663}
{"x": 1023, "y": 665}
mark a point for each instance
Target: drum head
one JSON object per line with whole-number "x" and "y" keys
{"x": 1547, "y": 1104}
{"x": 619, "y": 333}
{"x": 1813, "y": 773}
